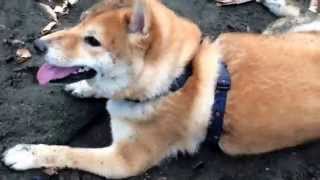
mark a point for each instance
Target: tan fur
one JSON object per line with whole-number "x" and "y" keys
{"x": 274, "y": 99}
{"x": 273, "y": 102}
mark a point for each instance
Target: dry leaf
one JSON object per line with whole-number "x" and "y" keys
{"x": 48, "y": 28}
{"x": 23, "y": 55}
{"x": 62, "y": 8}
{"x": 73, "y": 2}
{"x": 58, "y": 9}
{"x": 49, "y": 11}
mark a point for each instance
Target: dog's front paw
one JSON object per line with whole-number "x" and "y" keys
{"x": 20, "y": 157}
{"x": 80, "y": 89}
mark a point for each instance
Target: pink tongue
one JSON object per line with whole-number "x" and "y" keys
{"x": 48, "y": 72}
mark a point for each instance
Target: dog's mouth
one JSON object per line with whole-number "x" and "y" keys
{"x": 50, "y": 73}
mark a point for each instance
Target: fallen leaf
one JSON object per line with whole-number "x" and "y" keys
{"x": 58, "y": 9}
{"x": 62, "y": 8}
{"x": 48, "y": 28}
{"x": 49, "y": 11}
{"x": 73, "y": 2}
{"x": 23, "y": 55}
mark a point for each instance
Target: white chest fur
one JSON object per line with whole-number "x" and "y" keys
{"x": 121, "y": 109}
{"x": 124, "y": 114}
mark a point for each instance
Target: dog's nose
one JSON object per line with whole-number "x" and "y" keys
{"x": 41, "y": 46}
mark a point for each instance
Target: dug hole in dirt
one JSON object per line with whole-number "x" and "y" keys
{"x": 33, "y": 114}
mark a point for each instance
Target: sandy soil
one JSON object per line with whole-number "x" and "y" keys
{"x": 32, "y": 114}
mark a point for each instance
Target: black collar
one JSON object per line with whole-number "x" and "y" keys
{"x": 176, "y": 84}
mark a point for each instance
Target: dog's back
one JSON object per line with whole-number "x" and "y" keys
{"x": 275, "y": 94}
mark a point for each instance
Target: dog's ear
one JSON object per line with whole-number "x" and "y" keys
{"x": 139, "y": 24}
{"x": 105, "y": 5}
{"x": 140, "y": 19}
{"x": 117, "y": 4}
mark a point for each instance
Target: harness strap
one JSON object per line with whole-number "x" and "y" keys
{"x": 219, "y": 107}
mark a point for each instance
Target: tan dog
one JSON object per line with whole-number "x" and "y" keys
{"x": 137, "y": 49}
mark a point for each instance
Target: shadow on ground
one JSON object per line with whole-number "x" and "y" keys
{"x": 32, "y": 114}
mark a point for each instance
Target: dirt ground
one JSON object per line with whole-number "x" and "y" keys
{"x": 32, "y": 114}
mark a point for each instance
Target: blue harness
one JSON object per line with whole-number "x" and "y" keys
{"x": 218, "y": 109}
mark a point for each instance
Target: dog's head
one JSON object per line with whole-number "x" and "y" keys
{"x": 113, "y": 42}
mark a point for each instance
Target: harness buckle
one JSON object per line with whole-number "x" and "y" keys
{"x": 223, "y": 85}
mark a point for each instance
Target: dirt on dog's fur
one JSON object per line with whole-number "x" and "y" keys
{"x": 30, "y": 114}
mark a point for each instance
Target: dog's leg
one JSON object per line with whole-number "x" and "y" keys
{"x": 81, "y": 89}
{"x": 117, "y": 161}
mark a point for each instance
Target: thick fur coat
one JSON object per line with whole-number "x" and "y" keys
{"x": 138, "y": 48}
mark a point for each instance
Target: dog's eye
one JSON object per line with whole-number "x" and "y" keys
{"x": 92, "y": 41}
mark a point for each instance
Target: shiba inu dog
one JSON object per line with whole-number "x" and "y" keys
{"x": 135, "y": 51}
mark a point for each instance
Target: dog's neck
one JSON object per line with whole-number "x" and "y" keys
{"x": 176, "y": 84}
{"x": 140, "y": 109}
